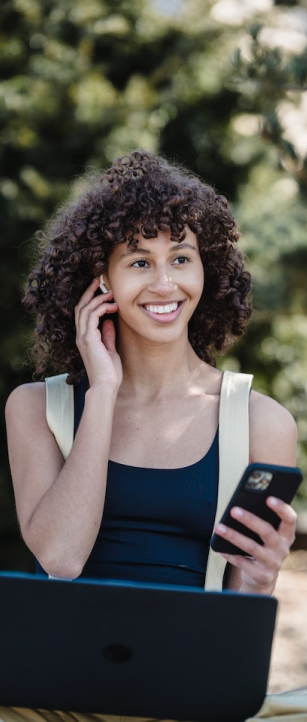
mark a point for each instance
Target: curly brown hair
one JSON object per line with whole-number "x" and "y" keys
{"x": 140, "y": 191}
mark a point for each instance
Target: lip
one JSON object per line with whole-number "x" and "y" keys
{"x": 163, "y": 317}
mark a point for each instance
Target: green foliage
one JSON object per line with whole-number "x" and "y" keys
{"x": 274, "y": 220}
{"x": 83, "y": 82}
{"x": 266, "y": 75}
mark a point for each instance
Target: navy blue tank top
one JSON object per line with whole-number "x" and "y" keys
{"x": 156, "y": 523}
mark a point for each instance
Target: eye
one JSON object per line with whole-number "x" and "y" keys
{"x": 141, "y": 263}
{"x": 181, "y": 259}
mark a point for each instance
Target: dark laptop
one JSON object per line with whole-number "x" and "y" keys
{"x": 129, "y": 649}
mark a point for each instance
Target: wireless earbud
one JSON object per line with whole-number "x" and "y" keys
{"x": 102, "y": 285}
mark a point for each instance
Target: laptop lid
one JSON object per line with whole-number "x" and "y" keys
{"x": 131, "y": 649}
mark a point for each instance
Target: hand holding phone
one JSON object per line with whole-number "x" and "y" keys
{"x": 258, "y": 482}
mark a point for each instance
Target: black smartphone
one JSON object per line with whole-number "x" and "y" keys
{"x": 258, "y": 482}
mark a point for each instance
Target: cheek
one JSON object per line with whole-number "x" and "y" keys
{"x": 124, "y": 294}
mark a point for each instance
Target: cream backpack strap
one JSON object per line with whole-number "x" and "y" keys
{"x": 233, "y": 455}
{"x": 60, "y": 411}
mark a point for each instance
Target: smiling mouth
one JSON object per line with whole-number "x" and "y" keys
{"x": 167, "y": 308}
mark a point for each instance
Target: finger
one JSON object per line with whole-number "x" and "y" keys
{"x": 287, "y": 516}
{"x": 253, "y": 522}
{"x": 84, "y": 309}
{"x": 275, "y": 547}
{"x": 88, "y": 293}
{"x": 264, "y": 529}
{"x": 108, "y": 335}
{"x": 260, "y": 575}
{"x": 90, "y": 316}
{"x": 247, "y": 545}
{"x": 88, "y": 297}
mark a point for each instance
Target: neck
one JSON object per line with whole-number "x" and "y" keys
{"x": 153, "y": 371}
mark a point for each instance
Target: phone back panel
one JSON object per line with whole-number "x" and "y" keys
{"x": 251, "y": 494}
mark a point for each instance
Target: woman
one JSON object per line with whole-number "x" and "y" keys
{"x": 136, "y": 497}
{"x": 176, "y": 285}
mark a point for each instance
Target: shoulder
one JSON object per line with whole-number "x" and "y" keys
{"x": 273, "y": 431}
{"x": 27, "y": 393}
{"x": 265, "y": 410}
{"x": 26, "y": 400}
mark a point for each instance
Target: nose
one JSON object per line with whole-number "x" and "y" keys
{"x": 162, "y": 282}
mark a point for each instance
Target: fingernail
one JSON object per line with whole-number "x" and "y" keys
{"x": 237, "y": 511}
{"x": 221, "y": 528}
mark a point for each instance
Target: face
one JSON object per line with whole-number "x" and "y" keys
{"x": 157, "y": 285}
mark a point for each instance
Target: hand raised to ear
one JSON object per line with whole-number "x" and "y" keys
{"x": 97, "y": 348}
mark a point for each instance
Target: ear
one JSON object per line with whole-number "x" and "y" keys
{"x": 102, "y": 285}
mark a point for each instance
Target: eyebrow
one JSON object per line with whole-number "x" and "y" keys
{"x": 147, "y": 252}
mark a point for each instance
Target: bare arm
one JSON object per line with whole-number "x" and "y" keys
{"x": 60, "y": 505}
{"x": 273, "y": 439}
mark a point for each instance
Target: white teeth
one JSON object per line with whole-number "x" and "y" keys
{"x": 169, "y": 308}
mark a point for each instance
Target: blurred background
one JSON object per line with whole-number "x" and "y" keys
{"x": 218, "y": 85}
